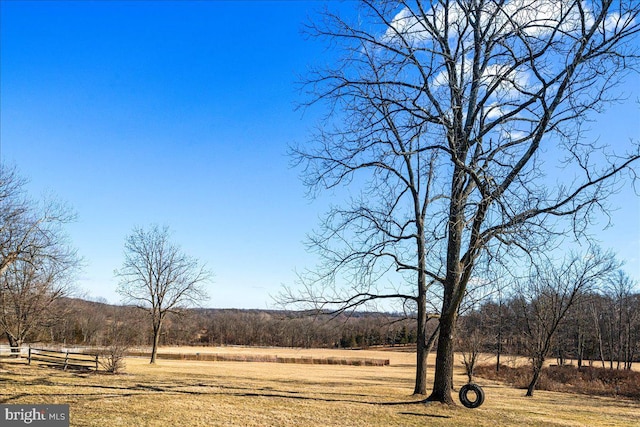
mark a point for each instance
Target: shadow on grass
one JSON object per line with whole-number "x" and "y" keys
{"x": 14, "y": 397}
{"x": 186, "y": 388}
{"x": 416, "y": 414}
{"x": 283, "y": 395}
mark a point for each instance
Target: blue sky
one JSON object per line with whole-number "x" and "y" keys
{"x": 180, "y": 113}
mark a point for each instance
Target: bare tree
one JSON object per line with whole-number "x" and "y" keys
{"x": 158, "y": 277}
{"x": 445, "y": 117}
{"x": 27, "y": 293}
{"x": 36, "y": 259}
{"x": 548, "y": 295}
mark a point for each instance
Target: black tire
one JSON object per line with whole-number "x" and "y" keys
{"x": 464, "y": 398}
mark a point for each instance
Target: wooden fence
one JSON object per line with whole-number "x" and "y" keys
{"x": 64, "y": 359}
{"x": 7, "y": 351}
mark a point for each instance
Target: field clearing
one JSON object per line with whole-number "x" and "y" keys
{"x": 195, "y": 393}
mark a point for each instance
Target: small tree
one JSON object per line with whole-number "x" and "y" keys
{"x": 548, "y": 295}
{"x": 158, "y": 277}
{"x": 471, "y": 341}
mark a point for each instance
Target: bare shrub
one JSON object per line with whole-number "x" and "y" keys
{"x": 117, "y": 343}
{"x": 112, "y": 358}
{"x": 471, "y": 347}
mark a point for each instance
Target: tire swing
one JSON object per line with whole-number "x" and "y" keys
{"x": 464, "y": 395}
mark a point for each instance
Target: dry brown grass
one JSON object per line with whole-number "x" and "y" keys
{"x": 197, "y": 393}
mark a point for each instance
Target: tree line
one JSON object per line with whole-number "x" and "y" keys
{"x": 89, "y": 323}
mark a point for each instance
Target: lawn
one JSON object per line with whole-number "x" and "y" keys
{"x": 198, "y": 393}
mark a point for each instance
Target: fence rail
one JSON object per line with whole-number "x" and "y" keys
{"x": 6, "y": 350}
{"x": 64, "y": 359}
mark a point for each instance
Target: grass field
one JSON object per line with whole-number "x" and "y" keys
{"x": 196, "y": 393}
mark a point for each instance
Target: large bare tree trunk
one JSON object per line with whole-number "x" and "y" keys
{"x": 453, "y": 292}
{"x": 443, "y": 377}
{"x": 421, "y": 348}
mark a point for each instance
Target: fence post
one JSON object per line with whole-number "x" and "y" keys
{"x": 66, "y": 361}
{"x": 29, "y": 355}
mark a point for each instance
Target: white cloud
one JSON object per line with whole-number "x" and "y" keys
{"x": 612, "y": 22}
{"x": 407, "y": 25}
{"x": 495, "y": 111}
{"x": 512, "y": 134}
{"x": 533, "y": 18}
